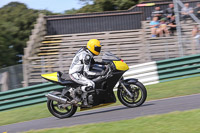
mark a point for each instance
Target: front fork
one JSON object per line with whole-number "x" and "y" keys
{"x": 121, "y": 83}
{"x": 127, "y": 91}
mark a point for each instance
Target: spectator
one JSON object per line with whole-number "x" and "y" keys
{"x": 163, "y": 28}
{"x": 185, "y": 11}
{"x": 196, "y": 31}
{"x": 197, "y": 10}
{"x": 169, "y": 11}
{"x": 172, "y": 25}
{"x": 155, "y": 27}
{"x": 157, "y": 13}
{"x": 196, "y": 35}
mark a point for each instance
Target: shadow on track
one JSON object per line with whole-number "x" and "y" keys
{"x": 109, "y": 110}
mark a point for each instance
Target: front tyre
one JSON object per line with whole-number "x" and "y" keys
{"x": 59, "y": 110}
{"x": 139, "y": 95}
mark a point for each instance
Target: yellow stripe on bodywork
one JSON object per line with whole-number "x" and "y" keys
{"x": 122, "y": 66}
{"x": 51, "y": 76}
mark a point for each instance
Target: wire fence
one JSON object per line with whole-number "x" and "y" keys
{"x": 11, "y": 77}
{"x": 183, "y": 13}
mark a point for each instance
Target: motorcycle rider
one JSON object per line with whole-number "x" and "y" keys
{"x": 81, "y": 65}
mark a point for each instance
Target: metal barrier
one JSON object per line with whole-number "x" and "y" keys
{"x": 166, "y": 70}
{"x": 26, "y": 96}
{"x": 153, "y": 72}
{"x": 172, "y": 68}
{"x": 146, "y": 73}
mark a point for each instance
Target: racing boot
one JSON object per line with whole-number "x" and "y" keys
{"x": 87, "y": 89}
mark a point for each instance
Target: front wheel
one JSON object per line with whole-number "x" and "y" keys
{"x": 139, "y": 95}
{"x": 59, "y": 110}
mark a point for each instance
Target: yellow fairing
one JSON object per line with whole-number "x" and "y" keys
{"x": 122, "y": 66}
{"x": 51, "y": 76}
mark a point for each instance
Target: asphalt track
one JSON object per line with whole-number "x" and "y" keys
{"x": 115, "y": 113}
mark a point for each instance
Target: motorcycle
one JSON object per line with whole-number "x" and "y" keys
{"x": 63, "y": 103}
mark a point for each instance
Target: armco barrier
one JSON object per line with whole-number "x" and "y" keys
{"x": 165, "y": 70}
{"x": 176, "y": 67}
{"x": 26, "y": 96}
{"x": 148, "y": 73}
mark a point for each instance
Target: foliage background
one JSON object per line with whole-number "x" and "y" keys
{"x": 16, "y": 23}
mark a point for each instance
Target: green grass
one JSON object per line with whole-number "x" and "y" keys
{"x": 24, "y": 114}
{"x": 162, "y": 90}
{"x": 174, "y": 88}
{"x": 176, "y": 122}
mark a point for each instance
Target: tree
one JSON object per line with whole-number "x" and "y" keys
{"x": 16, "y": 24}
{"x": 72, "y": 11}
{"x": 104, "y": 5}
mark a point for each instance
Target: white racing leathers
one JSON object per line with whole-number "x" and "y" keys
{"x": 81, "y": 64}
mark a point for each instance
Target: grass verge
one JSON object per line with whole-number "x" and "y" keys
{"x": 176, "y": 122}
{"x": 162, "y": 90}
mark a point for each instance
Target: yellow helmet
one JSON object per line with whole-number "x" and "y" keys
{"x": 94, "y": 46}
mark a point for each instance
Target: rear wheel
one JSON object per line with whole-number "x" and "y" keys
{"x": 139, "y": 95}
{"x": 60, "y": 110}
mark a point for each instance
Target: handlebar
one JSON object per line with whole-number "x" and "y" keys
{"x": 104, "y": 76}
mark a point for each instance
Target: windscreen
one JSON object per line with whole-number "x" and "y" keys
{"x": 109, "y": 56}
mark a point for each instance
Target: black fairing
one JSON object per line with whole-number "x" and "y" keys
{"x": 104, "y": 89}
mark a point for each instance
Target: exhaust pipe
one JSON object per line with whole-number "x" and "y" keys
{"x": 56, "y": 98}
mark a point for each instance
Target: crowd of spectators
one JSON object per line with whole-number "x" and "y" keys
{"x": 163, "y": 21}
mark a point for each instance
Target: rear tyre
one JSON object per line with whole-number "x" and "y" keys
{"x": 57, "y": 110}
{"x": 139, "y": 95}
